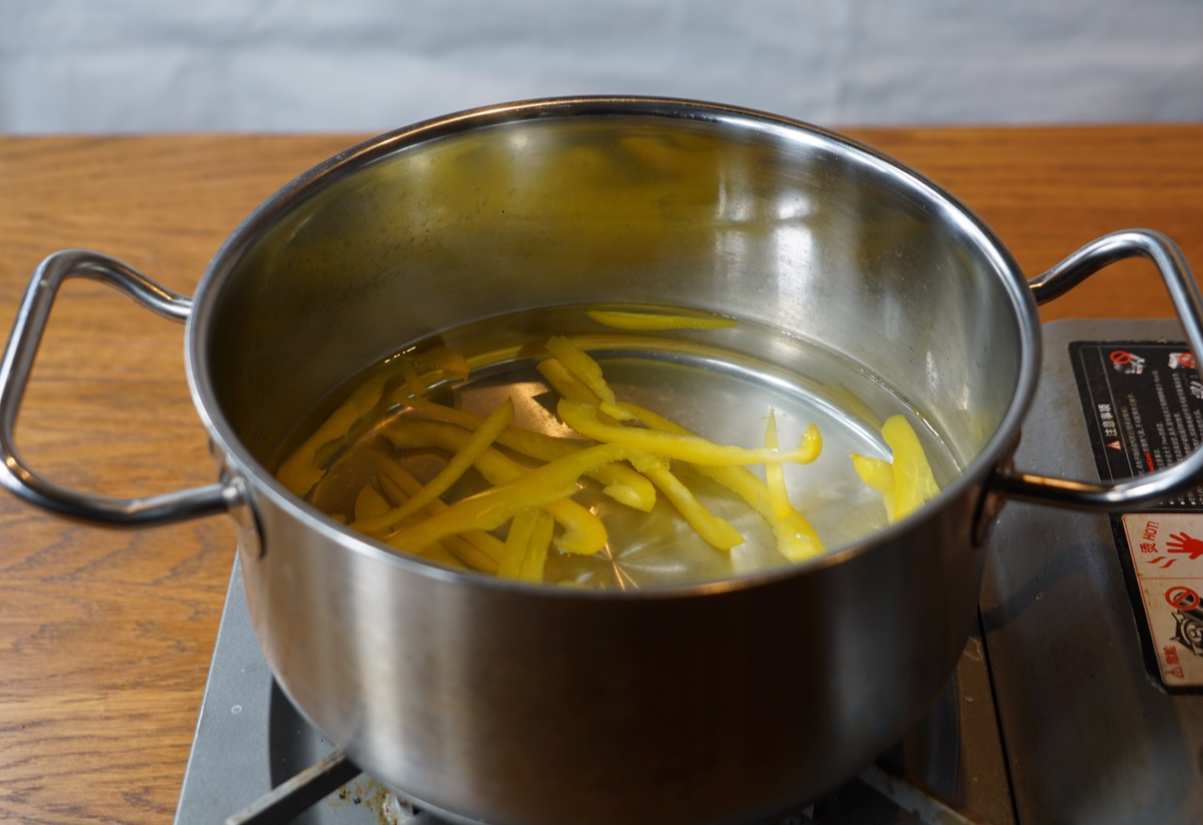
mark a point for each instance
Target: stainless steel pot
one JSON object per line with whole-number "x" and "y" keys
{"x": 709, "y": 703}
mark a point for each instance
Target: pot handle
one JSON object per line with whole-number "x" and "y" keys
{"x": 30, "y": 323}
{"x": 1184, "y": 291}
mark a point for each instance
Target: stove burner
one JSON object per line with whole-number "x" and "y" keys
{"x": 331, "y": 778}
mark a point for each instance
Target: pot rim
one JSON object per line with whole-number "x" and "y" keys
{"x": 241, "y": 464}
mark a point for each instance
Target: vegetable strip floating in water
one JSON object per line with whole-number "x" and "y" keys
{"x": 905, "y": 484}
{"x": 535, "y": 476}
{"x": 473, "y": 548}
{"x": 796, "y": 538}
{"x": 584, "y": 419}
{"x": 717, "y": 532}
{"x": 300, "y": 471}
{"x": 657, "y": 321}
{"x": 467, "y": 455}
{"x": 620, "y": 483}
{"x": 588, "y": 371}
{"x": 914, "y": 483}
{"x": 583, "y": 533}
{"x": 801, "y": 540}
{"x": 554, "y": 481}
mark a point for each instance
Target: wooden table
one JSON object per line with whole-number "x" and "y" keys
{"x": 106, "y": 636}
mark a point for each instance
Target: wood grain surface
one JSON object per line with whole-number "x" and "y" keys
{"x": 106, "y": 635}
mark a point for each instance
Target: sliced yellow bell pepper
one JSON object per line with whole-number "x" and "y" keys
{"x": 450, "y": 363}
{"x": 413, "y": 381}
{"x": 584, "y": 419}
{"x": 716, "y": 531}
{"x": 583, "y": 533}
{"x": 914, "y": 483}
{"x": 774, "y": 474}
{"x": 488, "y": 510}
{"x": 535, "y": 558}
{"x": 907, "y": 482}
{"x": 794, "y": 533}
{"x": 657, "y": 321}
{"x": 465, "y": 456}
{"x": 398, "y": 485}
{"x": 586, "y": 370}
{"x": 796, "y": 539}
{"x": 517, "y": 542}
{"x": 300, "y": 472}
{"x": 620, "y": 483}
{"x": 526, "y": 545}
{"x": 878, "y": 475}
{"x": 561, "y": 379}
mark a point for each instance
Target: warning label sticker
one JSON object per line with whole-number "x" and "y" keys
{"x": 1168, "y": 561}
{"x": 1143, "y": 403}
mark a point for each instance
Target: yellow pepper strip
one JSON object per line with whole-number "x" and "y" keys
{"x": 914, "y": 483}
{"x": 535, "y": 558}
{"x": 398, "y": 485}
{"x": 620, "y": 483}
{"x": 413, "y": 381}
{"x": 527, "y": 542}
{"x": 300, "y": 472}
{"x": 583, "y": 418}
{"x": 488, "y": 510}
{"x": 395, "y": 482}
{"x": 774, "y": 474}
{"x": 717, "y": 532}
{"x": 796, "y": 539}
{"x": 467, "y": 552}
{"x": 449, "y": 362}
{"x": 324, "y": 456}
{"x": 658, "y": 321}
{"x": 477, "y": 442}
{"x": 877, "y": 475}
{"x": 584, "y": 532}
{"x": 561, "y": 379}
{"x": 585, "y": 369}
{"x": 421, "y": 369}
{"x": 370, "y": 503}
{"x": 517, "y": 540}
{"x": 793, "y": 532}
{"x": 581, "y": 397}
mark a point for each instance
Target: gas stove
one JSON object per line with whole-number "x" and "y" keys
{"x": 1076, "y": 701}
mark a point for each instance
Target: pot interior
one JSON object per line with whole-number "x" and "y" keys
{"x": 556, "y": 205}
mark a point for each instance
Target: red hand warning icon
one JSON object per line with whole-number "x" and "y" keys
{"x": 1183, "y": 543}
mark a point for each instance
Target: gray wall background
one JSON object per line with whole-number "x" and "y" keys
{"x": 120, "y": 66}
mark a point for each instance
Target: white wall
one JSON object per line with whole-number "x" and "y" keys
{"x": 371, "y": 65}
